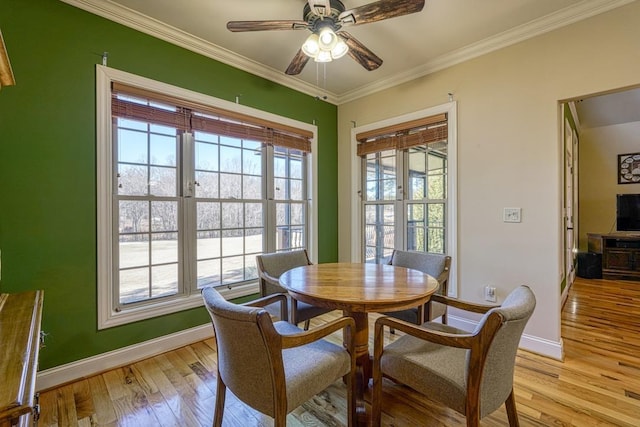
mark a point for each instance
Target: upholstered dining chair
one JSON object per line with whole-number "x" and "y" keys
{"x": 435, "y": 265}
{"x": 276, "y": 367}
{"x": 471, "y": 372}
{"x": 270, "y": 267}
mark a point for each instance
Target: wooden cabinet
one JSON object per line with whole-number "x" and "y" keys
{"x": 20, "y": 316}
{"x": 620, "y": 254}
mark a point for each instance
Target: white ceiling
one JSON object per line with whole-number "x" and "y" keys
{"x": 610, "y": 109}
{"x": 444, "y": 33}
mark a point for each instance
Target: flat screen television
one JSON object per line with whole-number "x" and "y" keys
{"x": 628, "y": 212}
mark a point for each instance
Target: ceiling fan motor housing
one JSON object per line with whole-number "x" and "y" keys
{"x": 317, "y": 22}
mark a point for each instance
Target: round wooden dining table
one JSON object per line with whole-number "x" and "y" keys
{"x": 358, "y": 289}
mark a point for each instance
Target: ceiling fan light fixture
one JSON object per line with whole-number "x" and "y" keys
{"x": 327, "y": 39}
{"x": 340, "y": 49}
{"x": 311, "y": 47}
{"x": 323, "y": 56}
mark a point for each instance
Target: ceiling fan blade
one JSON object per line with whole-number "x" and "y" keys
{"x": 320, "y": 7}
{"x": 297, "y": 63}
{"x": 239, "y": 26}
{"x": 360, "y": 53}
{"x": 379, "y": 10}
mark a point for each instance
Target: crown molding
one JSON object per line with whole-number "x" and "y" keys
{"x": 130, "y": 18}
{"x": 545, "y": 24}
{"x": 153, "y": 27}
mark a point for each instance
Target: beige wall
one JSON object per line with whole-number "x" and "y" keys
{"x": 599, "y": 149}
{"x": 509, "y": 152}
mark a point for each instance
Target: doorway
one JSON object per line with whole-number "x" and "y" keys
{"x": 597, "y": 129}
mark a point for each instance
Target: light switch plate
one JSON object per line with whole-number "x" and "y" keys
{"x": 512, "y": 215}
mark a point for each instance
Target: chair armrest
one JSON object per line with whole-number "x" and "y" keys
{"x": 269, "y": 278}
{"x": 437, "y": 337}
{"x": 270, "y": 299}
{"x": 306, "y": 337}
{"x": 462, "y": 305}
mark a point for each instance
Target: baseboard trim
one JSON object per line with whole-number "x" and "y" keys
{"x": 63, "y": 374}
{"x": 534, "y": 344}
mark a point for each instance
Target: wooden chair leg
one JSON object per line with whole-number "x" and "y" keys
{"x": 512, "y": 413}
{"x": 351, "y": 396}
{"x": 376, "y": 393}
{"x": 473, "y": 414}
{"x": 221, "y": 391}
{"x": 307, "y": 323}
{"x": 280, "y": 421}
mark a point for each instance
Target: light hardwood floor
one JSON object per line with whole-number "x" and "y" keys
{"x": 598, "y": 384}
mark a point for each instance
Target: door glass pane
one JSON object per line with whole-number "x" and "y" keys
{"x": 436, "y": 240}
{"x": 417, "y": 174}
{"x": 436, "y": 215}
{"x": 381, "y": 176}
{"x": 437, "y": 170}
{"x": 379, "y": 232}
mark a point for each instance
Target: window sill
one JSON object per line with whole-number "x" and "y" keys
{"x": 161, "y": 308}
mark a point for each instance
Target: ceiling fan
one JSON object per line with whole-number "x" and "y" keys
{"x": 325, "y": 19}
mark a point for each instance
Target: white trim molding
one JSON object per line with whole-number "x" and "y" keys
{"x": 63, "y": 374}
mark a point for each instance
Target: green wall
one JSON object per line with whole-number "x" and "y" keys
{"x": 48, "y": 156}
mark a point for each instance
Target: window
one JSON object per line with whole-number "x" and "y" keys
{"x": 405, "y": 193}
{"x": 190, "y": 190}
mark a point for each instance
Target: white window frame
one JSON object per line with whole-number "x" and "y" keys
{"x": 450, "y": 108}
{"x": 108, "y": 315}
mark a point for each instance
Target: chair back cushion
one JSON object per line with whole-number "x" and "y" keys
{"x": 243, "y": 357}
{"x": 497, "y": 378}
{"x": 277, "y": 263}
{"x": 432, "y": 264}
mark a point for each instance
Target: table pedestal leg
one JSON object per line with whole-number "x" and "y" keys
{"x": 363, "y": 363}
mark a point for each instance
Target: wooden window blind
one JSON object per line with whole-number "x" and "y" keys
{"x": 140, "y": 104}
{"x": 404, "y": 135}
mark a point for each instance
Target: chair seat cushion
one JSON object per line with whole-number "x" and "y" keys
{"x": 311, "y": 368}
{"x": 427, "y": 367}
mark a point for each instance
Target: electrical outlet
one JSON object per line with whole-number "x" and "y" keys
{"x": 490, "y": 294}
